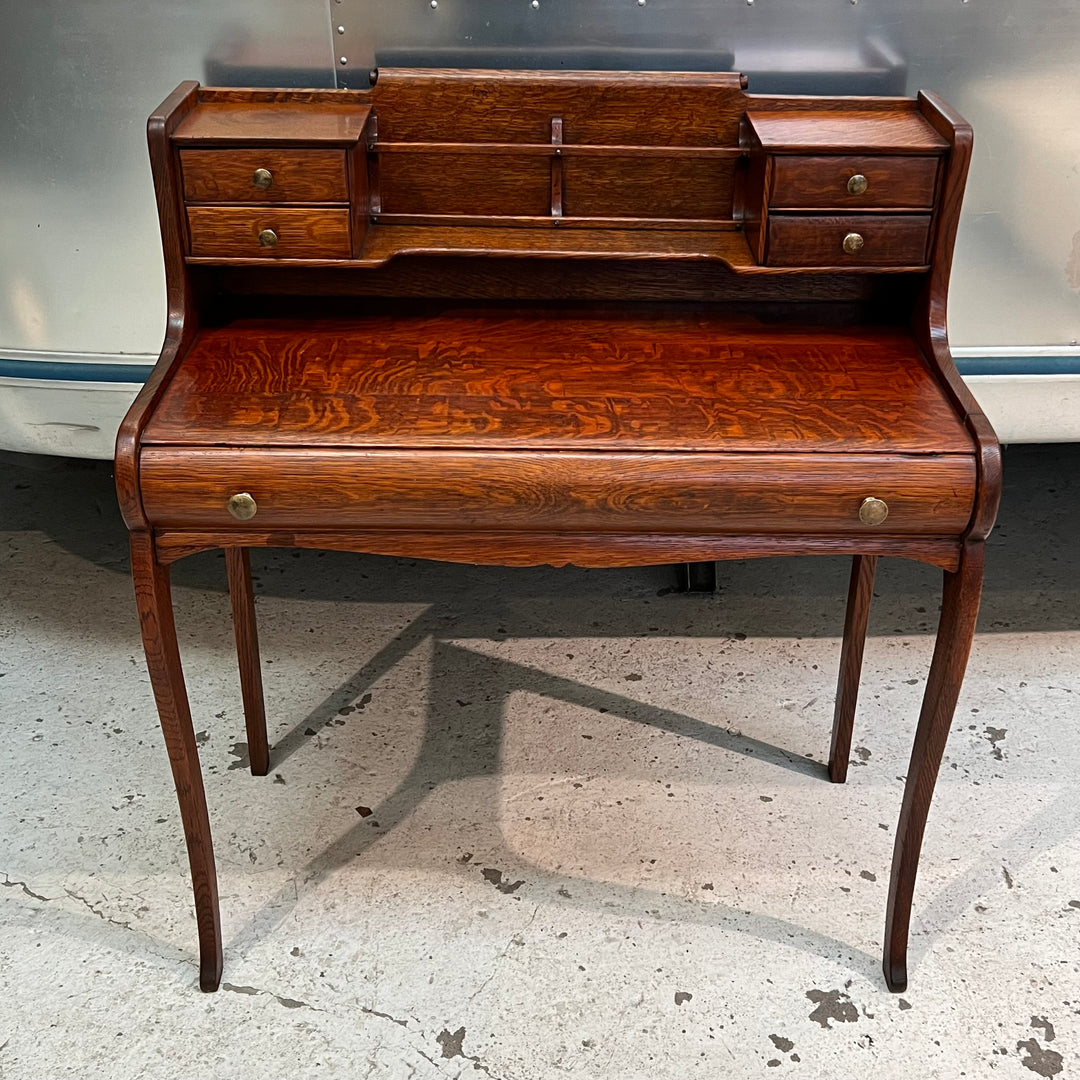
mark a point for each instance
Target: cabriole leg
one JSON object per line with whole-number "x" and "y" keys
{"x": 154, "y": 600}
{"x": 860, "y": 593}
{"x": 238, "y": 567}
{"x": 956, "y": 628}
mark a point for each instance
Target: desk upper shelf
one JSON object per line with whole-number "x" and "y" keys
{"x": 571, "y": 165}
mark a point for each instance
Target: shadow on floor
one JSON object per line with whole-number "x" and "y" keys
{"x": 1032, "y": 582}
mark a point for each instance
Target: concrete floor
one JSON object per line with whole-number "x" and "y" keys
{"x": 534, "y": 823}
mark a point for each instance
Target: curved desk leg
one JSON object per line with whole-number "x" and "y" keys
{"x": 956, "y": 628}
{"x": 238, "y": 567}
{"x": 860, "y": 593}
{"x": 154, "y": 600}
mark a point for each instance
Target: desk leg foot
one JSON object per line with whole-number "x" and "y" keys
{"x": 238, "y": 567}
{"x": 696, "y": 577}
{"x": 860, "y": 593}
{"x": 956, "y": 628}
{"x": 154, "y": 600}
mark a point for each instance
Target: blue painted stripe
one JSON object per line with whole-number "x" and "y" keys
{"x": 1019, "y": 365}
{"x": 58, "y": 371}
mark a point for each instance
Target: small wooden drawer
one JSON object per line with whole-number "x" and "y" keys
{"x": 269, "y": 232}
{"x": 271, "y": 175}
{"x": 730, "y": 494}
{"x": 856, "y": 182}
{"x": 847, "y": 240}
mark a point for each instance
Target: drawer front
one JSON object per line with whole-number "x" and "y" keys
{"x": 733, "y": 494}
{"x": 268, "y": 232}
{"x": 829, "y": 182}
{"x": 283, "y": 176}
{"x": 848, "y": 240}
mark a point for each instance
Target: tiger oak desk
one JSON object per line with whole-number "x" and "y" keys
{"x": 592, "y": 318}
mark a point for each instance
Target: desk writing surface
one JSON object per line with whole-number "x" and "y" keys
{"x": 557, "y": 379}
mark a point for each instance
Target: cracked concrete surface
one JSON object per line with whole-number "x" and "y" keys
{"x": 524, "y": 824}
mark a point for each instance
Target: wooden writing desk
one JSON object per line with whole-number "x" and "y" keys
{"x": 591, "y": 318}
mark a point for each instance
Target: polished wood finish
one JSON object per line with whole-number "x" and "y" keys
{"x": 524, "y": 547}
{"x": 225, "y": 175}
{"x": 870, "y": 130}
{"x": 464, "y": 184}
{"x": 564, "y": 490}
{"x": 537, "y": 378}
{"x": 860, "y": 593}
{"x": 154, "y": 603}
{"x": 242, "y": 599}
{"x": 818, "y": 240}
{"x": 302, "y": 233}
{"x": 813, "y": 182}
{"x": 221, "y": 120}
{"x": 956, "y": 628}
{"x": 522, "y": 318}
{"x": 597, "y": 107}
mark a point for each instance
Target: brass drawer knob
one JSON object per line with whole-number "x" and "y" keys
{"x": 873, "y": 511}
{"x": 242, "y": 506}
{"x": 263, "y": 178}
{"x": 856, "y": 185}
{"x": 268, "y": 238}
{"x": 853, "y": 243}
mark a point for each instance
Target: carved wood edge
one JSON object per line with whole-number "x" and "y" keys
{"x": 181, "y": 319}
{"x": 930, "y": 319}
{"x": 559, "y": 549}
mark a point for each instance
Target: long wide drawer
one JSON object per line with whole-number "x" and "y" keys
{"x": 630, "y": 492}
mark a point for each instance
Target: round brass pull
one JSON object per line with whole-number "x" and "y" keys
{"x": 263, "y": 178}
{"x": 873, "y": 511}
{"x": 853, "y": 243}
{"x": 242, "y": 506}
{"x": 268, "y": 238}
{"x": 857, "y": 184}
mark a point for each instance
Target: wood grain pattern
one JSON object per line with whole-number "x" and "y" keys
{"x": 293, "y": 96}
{"x": 182, "y": 317}
{"x": 390, "y": 241}
{"x": 464, "y": 184}
{"x": 651, "y": 379}
{"x": 596, "y": 107}
{"x": 956, "y": 628}
{"x": 668, "y": 187}
{"x": 154, "y": 602}
{"x": 804, "y": 181}
{"x": 262, "y": 123}
{"x": 225, "y": 175}
{"x": 246, "y": 632}
{"x": 444, "y": 490}
{"x": 862, "y": 130}
{"x": 928, "y": 318}
{"x": 818, "y": 240}
{"x": 221, "y": 232}
{"x": 493, "y": 278}
{"x": 533, "y": 548}
{"x": 750, "y": 425}
{"x": 860, "y": 593}
{"x": 560, "y": 150}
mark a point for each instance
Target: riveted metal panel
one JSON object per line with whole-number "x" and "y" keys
{"x": 80, "y": 251}
{"x": 1009, "y": 68}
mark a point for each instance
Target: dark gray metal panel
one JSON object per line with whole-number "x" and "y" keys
{"x": 1010, "y": 68}
{"x": 80, "y": 261}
